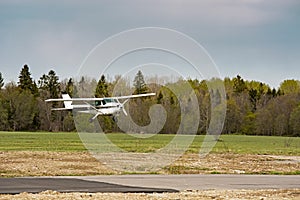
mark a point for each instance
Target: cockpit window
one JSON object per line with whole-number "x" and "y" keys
{"x": 98, "y": 103}
{"x": 110, "y": 101}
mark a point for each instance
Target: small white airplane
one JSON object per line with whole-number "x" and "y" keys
{"x": 108, "y": 106}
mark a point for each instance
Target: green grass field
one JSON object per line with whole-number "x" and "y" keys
{"x": 62, "y": 141}
{"x": 40, "y": 141}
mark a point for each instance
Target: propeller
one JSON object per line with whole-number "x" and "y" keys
{"x": 122, "y": 107}
{"x": 124, "y": 111}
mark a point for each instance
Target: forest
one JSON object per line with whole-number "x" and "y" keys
{"x": 253, "y": 107}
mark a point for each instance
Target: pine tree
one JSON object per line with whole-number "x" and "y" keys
{"x": 239, "y": 84}
{"x": 101, "y": 89}
{"x": 53, "y": 85}
{"x": 71, "y": 88}
{"x": 50, "y": 83}
{"x": 26, "y": 82}
{"x": 139, "y": 84}
{"x": 159, "y": 98}
{"x": 1, "y": 81}
{"x": 43, "y": 82}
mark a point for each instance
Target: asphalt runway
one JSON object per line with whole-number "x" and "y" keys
{"x": 204, "y": 182}
{"x": 36, "y": 185}
{"x": 147, "y": 183}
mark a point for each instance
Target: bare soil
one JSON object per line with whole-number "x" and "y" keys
{"x": 236, "y": 164}
{"x": 42, "y": 163}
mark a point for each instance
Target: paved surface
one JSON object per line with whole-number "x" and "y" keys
{"x": 203, "y": 182}
{"x": 147, "y": 183}
{"x": 36, "y": 185}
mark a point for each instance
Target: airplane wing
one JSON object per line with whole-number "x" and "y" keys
{"x": 99, "y": 99}
{"x": 133, "y": 96}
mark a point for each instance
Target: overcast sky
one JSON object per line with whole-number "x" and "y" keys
{"x": 258, "y": 39}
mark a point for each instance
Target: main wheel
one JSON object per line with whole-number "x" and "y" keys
{"x": 91, "y": 120}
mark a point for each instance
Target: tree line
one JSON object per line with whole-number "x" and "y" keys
{"x": 253, "y": 108}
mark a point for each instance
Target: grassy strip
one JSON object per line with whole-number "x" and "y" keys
{"x": 263, "y": 145}
{"x": 239, "y": 144}
{"x": 40, "y": 141}
{"x": 62, "y": 141}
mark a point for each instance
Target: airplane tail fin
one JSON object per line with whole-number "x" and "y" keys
{"x": 67, "y": 101}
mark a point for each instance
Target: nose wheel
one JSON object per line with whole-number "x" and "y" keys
{"x": 115, "y": 119}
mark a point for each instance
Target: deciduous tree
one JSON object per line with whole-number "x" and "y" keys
{"x": 295, "y": 121}
{"x": 290, "y": 87}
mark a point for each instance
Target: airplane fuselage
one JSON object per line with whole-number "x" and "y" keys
{"x": 107, "y": 109}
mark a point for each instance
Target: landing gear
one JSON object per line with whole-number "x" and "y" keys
{"x": 91, "y": 120}
{"x": 115, "y": 119}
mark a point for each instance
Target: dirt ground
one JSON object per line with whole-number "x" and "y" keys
{"x": 236, "y": 164}
{"x": 291, "y": 194}
{"x": 26, "y": 163}
{"x": 41, "y": 163}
